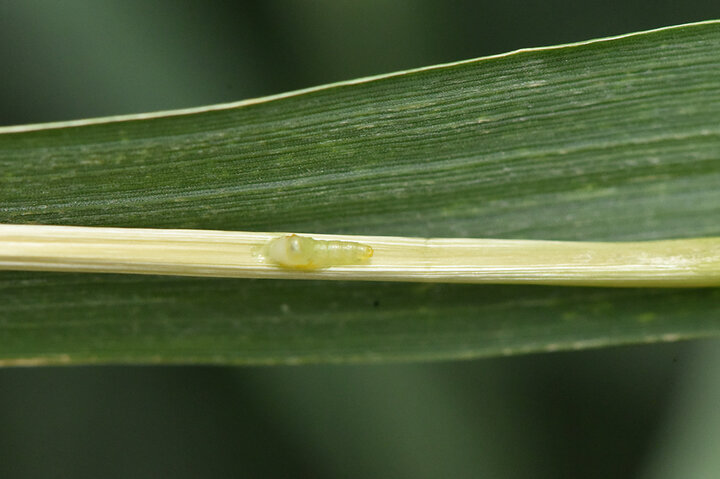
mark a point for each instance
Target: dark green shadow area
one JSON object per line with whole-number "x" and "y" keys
{"x": 114, "y": 318}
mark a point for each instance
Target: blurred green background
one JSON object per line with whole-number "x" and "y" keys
{"x": 648, "y": 411}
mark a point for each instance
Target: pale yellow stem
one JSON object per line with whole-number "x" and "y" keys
{"x": 669, "y": 263}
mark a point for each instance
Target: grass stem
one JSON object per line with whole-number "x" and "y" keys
{"x": 691, "y": 262}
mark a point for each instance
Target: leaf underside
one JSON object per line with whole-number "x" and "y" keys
{"x": 607, "y": 140}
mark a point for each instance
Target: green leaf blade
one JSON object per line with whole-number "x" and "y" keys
{"x": 607, "y": 140}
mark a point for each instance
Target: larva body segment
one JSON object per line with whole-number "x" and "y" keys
{"x": 303, "y": 252}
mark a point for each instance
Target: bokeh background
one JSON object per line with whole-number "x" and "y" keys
{"x": 644, "y": 411}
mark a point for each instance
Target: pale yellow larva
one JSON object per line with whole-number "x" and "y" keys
{"x": 302, "y": 252}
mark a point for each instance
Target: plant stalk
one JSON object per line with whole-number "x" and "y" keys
{"x": 693, "y": 262}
